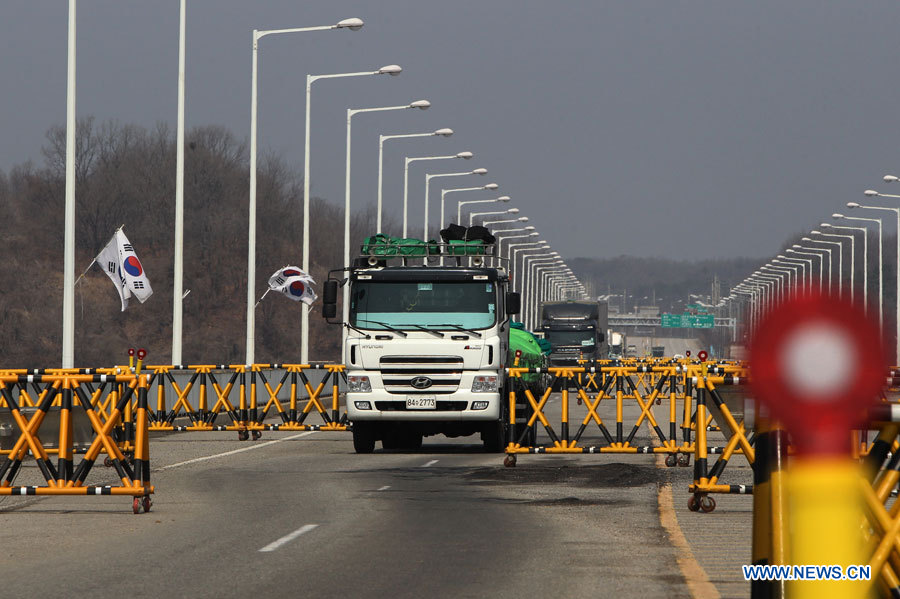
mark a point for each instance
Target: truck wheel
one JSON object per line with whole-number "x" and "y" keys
{"x": 492, "y": 437}
{"x": 412, "y": 440}
{"x": 363, "y": 437}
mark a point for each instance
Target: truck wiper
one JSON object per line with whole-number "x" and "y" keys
{"x": 362, "y": 332}
{"x": 388, "y": 327}
{"x": 459, "y": 328}
{"x": 427, "y": 330}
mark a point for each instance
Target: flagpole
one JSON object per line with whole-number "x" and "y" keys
{"x": 178, "y": 278}
{"x": 263, "y": 296}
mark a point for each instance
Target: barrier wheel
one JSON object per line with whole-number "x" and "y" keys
{"x": 257, "y": 435}
{"x": 707, "y": 504}
{"x": 136, "y": 505}
{"x": 147, "y": 503}
{"x": 684, "y": 460}
{"x": 509, "y": 461}
{"x": 693, "y": 503}
{"x": 107, "y": 462}
{"x": 243, "y": 435}
{"x": 671, "y": 460}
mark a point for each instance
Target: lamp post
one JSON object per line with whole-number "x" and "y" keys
{"x": 178, "y": 259}
{"x": 873, "y": 193}
{"x": 472, "y": 215}
{"x": 351, "y": 24}
{"x": 500, "y": 234}
{"x": 865, "y": 260}
{"x": 821, "y": 257}
{"x": 68, "y": 344}
{"x": 351, "y": 112}
{"x": 852, "y": 239}
{"x": 840, "y": 251}
{"x": 407, "y": 162}
{"x": 880, "y": 258}
{"x": 527, "y": 284}
{"x": 513, "y": 256}
{"x": 430, "y": 176}
{"x": 444, "y": 192}
{"x": 531, "y": 284}
{"x": 807, "y": 279}
{"x": 390, "y": 69}
{"x": 445, "y": 132}
{"x": 460, "y": 204}
{"x": 821, "y": 252}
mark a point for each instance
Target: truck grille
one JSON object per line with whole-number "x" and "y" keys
{"x": 398, "y": 372}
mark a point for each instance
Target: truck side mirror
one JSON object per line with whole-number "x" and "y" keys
{"x": 329, "y": 299}
{"x": 513, "y": 302}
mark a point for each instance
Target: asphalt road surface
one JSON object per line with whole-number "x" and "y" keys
{"x": 301, "y": 515}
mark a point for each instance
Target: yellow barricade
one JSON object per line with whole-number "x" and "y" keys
{"x": 71, "y": 393}
{"x": 235, "y": 392}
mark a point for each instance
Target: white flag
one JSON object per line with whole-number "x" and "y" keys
{"x": 108, "y": 259}
{"x": 132, "y": 269}
{"x": 294, "y": 283}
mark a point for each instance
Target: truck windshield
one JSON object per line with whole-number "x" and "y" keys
{"x": 580, "y": 338}
{"x": 402, "y": 305}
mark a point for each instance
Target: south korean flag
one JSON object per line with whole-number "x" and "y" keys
{"x": 132, "y": 270}
{"x": 294, "y": 283}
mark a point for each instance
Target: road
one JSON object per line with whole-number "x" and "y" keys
{"x": 302, "y": 515}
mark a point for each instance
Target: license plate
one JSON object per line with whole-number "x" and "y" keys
{"x": 421, "y": 402}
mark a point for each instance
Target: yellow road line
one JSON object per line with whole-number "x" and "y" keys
{"x": 694, "y": 575}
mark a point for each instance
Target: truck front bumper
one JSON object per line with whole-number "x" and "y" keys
{"x": 448, "y": 407}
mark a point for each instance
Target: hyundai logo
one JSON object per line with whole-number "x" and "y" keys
{"x": 421, "y": 382}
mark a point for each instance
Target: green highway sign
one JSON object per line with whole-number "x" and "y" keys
{"x": 687, "y": 321}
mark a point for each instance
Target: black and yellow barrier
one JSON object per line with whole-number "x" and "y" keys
{"x": 234, "y": 392}
{"x": 69, "y": 394}
{"x": 646, "y": 385}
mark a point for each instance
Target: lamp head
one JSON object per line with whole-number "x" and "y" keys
{"x": 391, "y": 69}
{"x": 491, "y": 186}
{"x": 871, "y": 193}
{"x": 421, "y": 104}
{"x": 523, "y": 219}
{"x": 825, "y": 225}
{"x": 814, "y": 232}
{"x": 791, "y": 251}
{"x": 545, "y": 247}
{"x": 534, "y": 234}
{"x": 529, "y": 228}
{"x": 465, "y": 155}
{"x": 513, "y": 211}
{"x": 503, "y": 199}
{"x": 852, "y": 205}
{"x": 890, "y": 179}
{"x": 479, "y": 171}
{"x": 837, "y": 215}
{"x": 445, "y": 132}
{"x": 805, "y": 239}
{"x": 353, "y": 24}
{"x": 797, "y": 245}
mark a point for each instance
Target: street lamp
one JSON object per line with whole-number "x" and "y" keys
{"x": 445, "y": 132}
{"x": 460, "y": 204}
{"x": 521, "y": 219}
{"x": 821, "y": 258}
{"x": 407, "y": 162}
{"x": 830, "y": 257}
{"x": 865, "y": 260}
{"x": 472, "y": 215}
{"x": 351, "y": 112}
{"x": 392, "y": 70}
{"x": 873, "y": 193}
{"x": 880, "y": 258}
{"x": 852, "y": 239}
{"x": 840, "y": 250}
{"x": 429, "y": 177}
{"x": 352, "y": 24}
{"x": 444, "y": 192}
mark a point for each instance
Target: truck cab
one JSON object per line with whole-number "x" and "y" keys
{"x": 426, "y": 352}
{"x": 576, "y": 331}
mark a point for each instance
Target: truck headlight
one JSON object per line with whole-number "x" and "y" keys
{"x": 358, "y": 384}
{"x": 485, "y": 384}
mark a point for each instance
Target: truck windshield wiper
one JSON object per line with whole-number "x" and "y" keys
{"x": 387, "y": 326}
{"x": 427, "y": 330}
{"x": 459, "y": 328}
{"x": 350, "y": 326}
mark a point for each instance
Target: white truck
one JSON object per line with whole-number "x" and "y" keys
{"x": 426, "y": 351}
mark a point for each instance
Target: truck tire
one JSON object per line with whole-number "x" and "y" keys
{"x": 363, "y": 437}
{"x": 412, "y": 440}
{"x": 492, "y": 437}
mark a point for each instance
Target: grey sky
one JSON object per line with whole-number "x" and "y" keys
{"x": 665, "y": 128}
